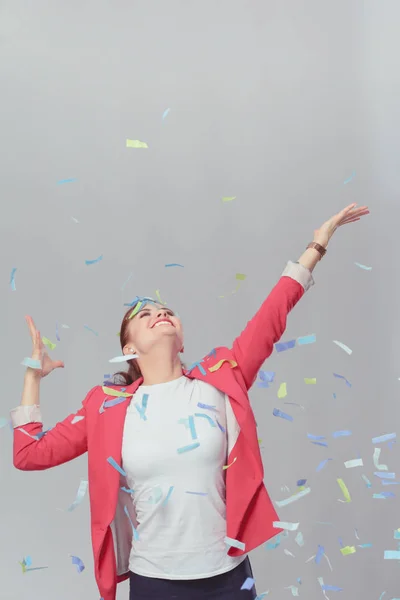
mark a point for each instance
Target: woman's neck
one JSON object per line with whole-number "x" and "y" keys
{"x": 159, "y": 371}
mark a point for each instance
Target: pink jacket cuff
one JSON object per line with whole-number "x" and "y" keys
{"x": 22, "y": 415}
{"x": 300, "y": 274}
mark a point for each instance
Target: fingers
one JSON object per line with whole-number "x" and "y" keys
{"x": 31, "y": 326}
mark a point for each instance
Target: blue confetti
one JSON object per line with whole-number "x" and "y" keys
{"x": 165, "y": 113}
{"x": 282, "y": 346}
{"x": 344, "y": 378}
{"x": 199, "y": 365}
{"x": 278, "y": 413}
{"x": 90, "y": 329}
{"x": 319, "y": 555}
{"x": 307, "y": 339}
{"x": 248, "y": 584}
{"x": 209, "y": 419}
{"x": 350, "y": 178}
{"x": 135, "y": 533}
{"x": 12, "y": 279}
{"x": 301, "y": 482}
{"x": 78, "y": 562}
{"x": 167, "y": 497}
{"x": 342, "y": 433}
{"x": 322, "y": 464}
{"x": 94, "y": 261}
{"x": 315, "y": 437}
{"x": 331, "y": 588}
{"x": 116, "y": 466}
{"x": 70, "y": 180}
{"x": 192, "y": 427}
{"x": 207, "y": 406}
{"x": 383, "y": 438}
{"x": 221, "y": 427}
{"x": 174, "y": 265}
{"x": 188, "y": 448}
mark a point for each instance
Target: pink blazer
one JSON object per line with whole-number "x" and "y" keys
{"x": 249, "y": 510}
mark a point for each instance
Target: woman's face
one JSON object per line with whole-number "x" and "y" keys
{"x": 150, "y": 325}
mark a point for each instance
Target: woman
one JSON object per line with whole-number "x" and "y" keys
{"x": 175, "y": 473}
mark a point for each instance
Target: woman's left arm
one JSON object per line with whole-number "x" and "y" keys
{"x": 256, "y": 342}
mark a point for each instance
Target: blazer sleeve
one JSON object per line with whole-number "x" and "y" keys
{"x": 256, "y": 342}
{"x": 34, "y": 450}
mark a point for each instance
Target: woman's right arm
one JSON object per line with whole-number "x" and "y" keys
{"x": 65, "y": 441}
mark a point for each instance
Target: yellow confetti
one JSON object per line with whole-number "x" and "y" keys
{"x": 135, "y": 310}
{"x": 220, "y": 363}
{"x": 135, "y": 144}
{"x": 309, "y": 381}
{"x": 282, "y": 392}
{"x": 111, "y": 392}
{"x": 159, "y": 297}
{"x": 240, "y": 276}
{"x": 48, "y": 343}
{"x": 344, "y": 489}
{"x": 227, "y": 466}
{"x": 228, "y": 198}
{"x": 348, "y": 550}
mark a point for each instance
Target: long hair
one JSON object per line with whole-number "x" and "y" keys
{"x": 133, "y": 373}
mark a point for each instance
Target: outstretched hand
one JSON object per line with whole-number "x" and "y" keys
{"x": 39, "y": 352}
{"x": 350, "y": 214}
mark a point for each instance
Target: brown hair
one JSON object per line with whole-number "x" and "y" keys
{"x": 133, "y": 373}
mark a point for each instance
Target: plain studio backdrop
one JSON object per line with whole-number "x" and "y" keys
{"x": 290, "y": 107}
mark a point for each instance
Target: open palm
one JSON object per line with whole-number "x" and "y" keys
{"x": 350, "y": 214}
{"x": 39, "y": 351}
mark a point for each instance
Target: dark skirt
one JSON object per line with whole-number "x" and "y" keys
{"x": 224, "y": 587}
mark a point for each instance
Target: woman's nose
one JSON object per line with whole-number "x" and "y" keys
{"x": 162, "y": 313}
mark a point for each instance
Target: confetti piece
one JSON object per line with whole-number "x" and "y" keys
{"x": 48, "y": 343}
{"x": 341, "y": 433}
{"x": 293, "y": 589}
{"x": 282, "y": 392}
{"x": 168, "y": 496}
{"x": 307, "y": 339}
{"x": 396, "y": 534}
{"x": 94, "y": 261}
{"x": 300, "y": 482}
{"x": 288, "y": 553}
{"x": 188, "y": 448}
{"x": 344, "y": 378}
{"x": 126, "y": 281}
{"x": 91, "y": 330}
{"x": 124, "y": 358}
{"x": 228, "y": 198}
{"x": 248, "y": 584}
{"x": 212, "y": 354}
{"x": 285, "y": 525}
{"x": 209, "y": 419}
{"x": 240, "y": 276}
{"x": 319, "y": 555}
{"x": 174, "y": 265}
{"x": 192, "y": 427}
{"x": 391, "y": 555}
{"x": 234, "y": 543}
{"x": 227, "y": 466}
{"x": 367, "y": 481}
{"x": 135, "y": 144}
{"x": 83, "y": 486}
{"x": 385, "y": 475}
{"x": 76, "y": 419}
{"x": 262, "y": 596}
{"x": 12, "y": 279}
{"x": 332, "y": 588}
{"x": 116, "y": 466}
{"x": 343, "y": 347}
{"x": 75, "y": 220}
{"x": 311, "y": 381}
{"x": 159, "y": 297}
{"x": 363, "y": 267}
{"x": 165, "y": 113}
{"x": 219, "y": 364}
{"x": 299, "y": 539}
{"x": 78, "y": 562}
{"x": 281, "y": 503}
{"x": 320, "y": 444}
{"x": 113, "y": 402}
{"x": 375, "y": 458}
{"x": 315, "y": 437}
{"x": 127, "y": 490}
{"x": 31, "y": 363}
{"x": 275, "y": 544}
{"x": 267, "y": 376}
{"x": 69, "y": 180}
{"x": 57, "y": 334}
{"x": 199, "y": 365}
{"x": 207, "y": 406}
{"x": 111, "y": 392}
{"x": 142, "y": 409}
{"x": 282, "y": 346}
{"x": 347, "y": 550}
{"x": 197, "y": 493}
{"x": 278, "y": 413}
{"x": 134, "y": 530}
{"x": 356, "y": 462}
{"x": 383, "y": 438}
{"x": 344, "y": 489}
{"x": 365, "y": 545}
{"x": 65, "y": 326}
{"x": 221, "y": 427}
{"x": 350, "y": 178}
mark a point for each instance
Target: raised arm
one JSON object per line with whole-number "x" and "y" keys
{"x": 256, "y": 342}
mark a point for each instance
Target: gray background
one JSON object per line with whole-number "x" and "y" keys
{"x": 275, "y": 102}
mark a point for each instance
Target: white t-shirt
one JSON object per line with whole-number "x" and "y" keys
{"x": 173, "y": 451}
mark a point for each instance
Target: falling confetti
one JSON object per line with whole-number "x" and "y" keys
{"x": 343, "y": 347}
{"x": 165, "y": 113}
{"x": 12, "y": 279}
{"x": 135, "y": 144}
{"x": 363, "y": 267}
{"x": 350, "y": 178}
{"x": 174, "y": 265}
{"x": 228, "y": 198}
{"x": 94, "y": 261}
